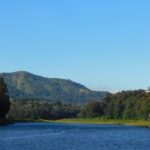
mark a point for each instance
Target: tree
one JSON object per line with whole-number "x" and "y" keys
{"x": 92, "y": 109}
{"x": 4, "y": 99}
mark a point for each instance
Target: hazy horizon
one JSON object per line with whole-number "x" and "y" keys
{"x": 103, "y": 45}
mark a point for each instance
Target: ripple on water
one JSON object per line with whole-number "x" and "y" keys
{"x": 51, "y": 136}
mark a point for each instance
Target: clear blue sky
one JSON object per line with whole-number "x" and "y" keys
{"x": 103, "y": 44}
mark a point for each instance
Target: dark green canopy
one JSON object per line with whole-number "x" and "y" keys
{"x": 4, "y": 99}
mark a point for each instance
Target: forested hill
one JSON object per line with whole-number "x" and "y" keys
{"x": 23, "y": 85}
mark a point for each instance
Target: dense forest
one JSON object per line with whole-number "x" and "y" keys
{"x": 122, "y": 105}
{"x": 33, "y": 109}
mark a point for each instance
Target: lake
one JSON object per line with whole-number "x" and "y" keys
{"x": 55, "y": 136}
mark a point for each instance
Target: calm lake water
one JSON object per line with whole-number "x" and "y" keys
{"x": 51, "y": 136}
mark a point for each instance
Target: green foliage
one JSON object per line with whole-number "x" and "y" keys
{"x": 92, "y": 109}
{"x": 122, "y": 105}
{"x": 33, "y": 109}
{"x": 128, "y": 105}
{"x": 3, "y": 87}
{"x": 4, "y": 99}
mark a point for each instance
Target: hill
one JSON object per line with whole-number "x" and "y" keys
{"x": 23, "y": 85}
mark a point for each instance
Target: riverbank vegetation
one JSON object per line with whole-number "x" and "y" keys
{"x": 143, "y": 123}
{"x": 126, "y": 107}
{"x": 129, "y": 105}
{"x": 103, "y": 121}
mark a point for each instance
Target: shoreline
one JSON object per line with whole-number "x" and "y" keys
{"x": 4, "y": 122}
{"x": 142, "y": 123}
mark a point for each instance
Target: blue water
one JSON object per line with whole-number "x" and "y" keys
{"x": 51, "y": 136}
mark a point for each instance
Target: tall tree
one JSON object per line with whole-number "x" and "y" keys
{"x": 4, "y": 99}
{"x": 92, "y": 109}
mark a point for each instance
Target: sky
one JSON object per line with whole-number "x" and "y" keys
{"x": 104, "y": 45}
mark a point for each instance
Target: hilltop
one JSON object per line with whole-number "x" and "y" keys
{"x": 22, "y": 85}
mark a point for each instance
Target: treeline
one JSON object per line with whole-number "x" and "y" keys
{"x": 33, "y": 109}
{"x": 122, "y": 105}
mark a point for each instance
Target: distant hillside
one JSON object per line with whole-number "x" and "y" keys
{"x": 26, "y": 85}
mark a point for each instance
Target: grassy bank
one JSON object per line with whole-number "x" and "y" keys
{"x": 92, "y": 121}
{"x": 98, "y": 121}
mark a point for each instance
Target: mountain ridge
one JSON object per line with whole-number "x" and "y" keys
{"x": 23, "y": 84}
